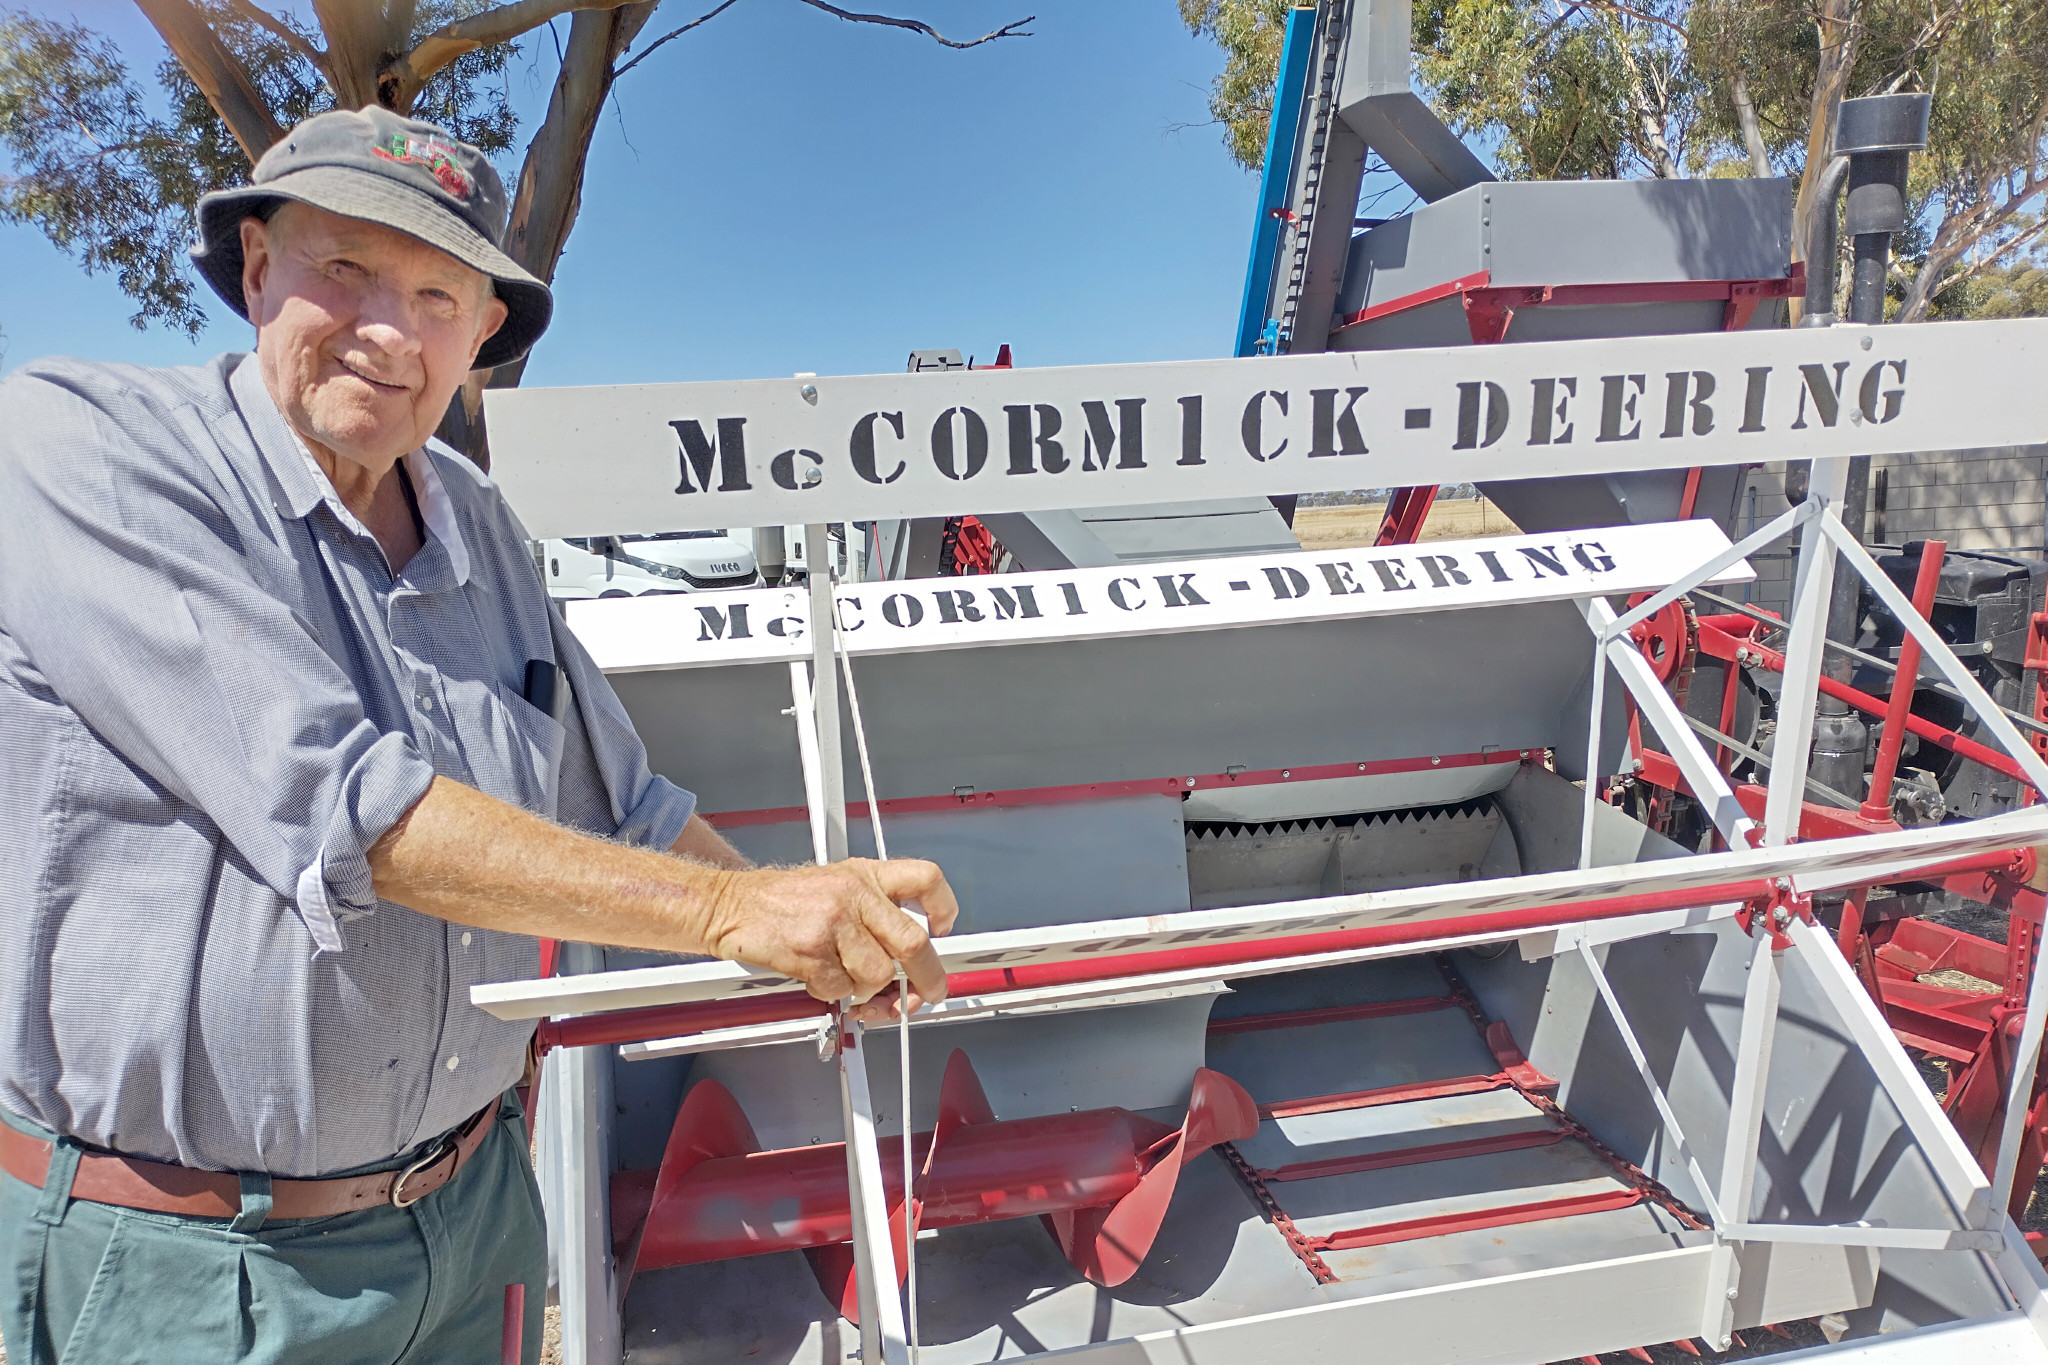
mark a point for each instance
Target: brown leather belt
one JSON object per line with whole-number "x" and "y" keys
{"x": 161, "y": 1187}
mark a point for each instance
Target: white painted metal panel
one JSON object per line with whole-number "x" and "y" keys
{"x": 599, "y": 460}
{"x": 689, "y": 630}
{"x": 1511, "y": 1320}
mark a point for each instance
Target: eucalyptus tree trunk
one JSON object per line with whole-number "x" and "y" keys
{"x": 550, "y": 189}
{"x": 1837, "y": 22}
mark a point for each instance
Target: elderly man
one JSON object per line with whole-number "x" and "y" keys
{"x": 278, "y": 793}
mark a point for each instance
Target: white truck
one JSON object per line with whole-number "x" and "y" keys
{"x": 643, "y": 565}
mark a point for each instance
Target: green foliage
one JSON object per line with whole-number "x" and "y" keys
{"x": 114, "y": 185}
{"x": 105, "y": 181}
{"x": 1566, "y": 92}
{"x": 2014, "y": 291}
{"x": 1251, "y": 33}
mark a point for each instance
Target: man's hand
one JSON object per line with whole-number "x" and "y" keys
{"x": 838, "y": 929}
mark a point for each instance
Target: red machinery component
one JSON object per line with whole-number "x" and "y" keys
{"x": 1101, "y": 1180}
{"x": 1489, "y": 310}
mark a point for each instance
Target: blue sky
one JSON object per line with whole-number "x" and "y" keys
{"x": 780, "y": 191}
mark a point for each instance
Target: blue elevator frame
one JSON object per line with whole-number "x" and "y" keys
{"x": 1283, "y": 135}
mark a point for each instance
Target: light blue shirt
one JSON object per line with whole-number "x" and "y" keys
{"x": 214, "y": 698}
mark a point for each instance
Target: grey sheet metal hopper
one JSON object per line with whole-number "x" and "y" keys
{"x": 1483, "y": 261}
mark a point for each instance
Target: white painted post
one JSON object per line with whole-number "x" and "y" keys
{"x": 574, "y": 1170}
{"x": 825, "y": 694}
{"x": 1745, "y": 1132}
{"x": 1808, "y": 620}
{"x": 883, "y": 1340}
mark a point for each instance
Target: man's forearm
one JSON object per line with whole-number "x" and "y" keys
{"x": 706, "y": 845}
{"x": 463, "y": 856}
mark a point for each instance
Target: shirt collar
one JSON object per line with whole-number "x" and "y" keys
{"x": 299, "y": 484}
{"x": 437, "y": 510}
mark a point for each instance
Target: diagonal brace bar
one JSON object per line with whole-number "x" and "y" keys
{"x": 1649, "y": 1078}
{"x": 1708, "y": 782}
{"x": 2028, "y": 1059}
{"x": 1782, "y": 525}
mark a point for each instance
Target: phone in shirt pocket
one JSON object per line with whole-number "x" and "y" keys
{"x": 528, "y": 753}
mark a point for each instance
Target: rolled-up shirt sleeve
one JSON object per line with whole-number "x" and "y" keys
{"x": 126, "y": 585}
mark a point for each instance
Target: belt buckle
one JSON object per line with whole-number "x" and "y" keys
{"x": 398, "y": 1200}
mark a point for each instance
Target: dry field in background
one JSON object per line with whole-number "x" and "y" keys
{"x": 1353, "y": 525}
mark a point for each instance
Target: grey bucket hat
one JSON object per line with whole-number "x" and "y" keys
{"x": 409, "y": 176}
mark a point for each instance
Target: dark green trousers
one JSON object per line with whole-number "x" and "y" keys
{"x": 91, "y": 1284}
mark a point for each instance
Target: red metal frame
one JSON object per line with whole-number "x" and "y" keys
{"x": 1449, "y": 289}
{"x": 1153, "y": 786}
{"x": 1401, "y": 524}
{"x": 1444, "y": 1224}
{"x": 1878, "y": 805}
{"x": 1386, "y": 1094}
{"x": 1489, "y": 310}
{"x": 1714, "y": 639}
{"x": 512, "y": 1336}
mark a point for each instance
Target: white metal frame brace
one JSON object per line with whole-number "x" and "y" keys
{"x": 884, "y": 1335}
{"x": 1979, "y": 1204}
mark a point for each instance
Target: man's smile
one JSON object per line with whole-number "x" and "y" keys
{"x": 371, "y": 379}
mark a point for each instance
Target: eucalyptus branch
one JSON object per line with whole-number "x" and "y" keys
{"x": 1013, "y": 29}
{"x": 1982, "y": 263}
{"x": 648, "y": 51}
{"x": 1616, "y": 7}
{"x": 293, "y": 39}
{"x": 454, "y": 41}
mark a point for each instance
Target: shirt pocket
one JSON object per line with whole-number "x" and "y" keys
{"x": 526, "y": 747}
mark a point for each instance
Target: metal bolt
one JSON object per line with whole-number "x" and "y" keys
{"x": 1732, "y": 1293}
{"x": 1726, "y": 1342}
{"x": 1434, "y": 762}
{"x": 1191, "y": 782}
{"x": 1287, "y": 772}
{"x": 810, "y": 393}
{"x": 1865, "y": 343}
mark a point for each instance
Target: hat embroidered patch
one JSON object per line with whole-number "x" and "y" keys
{"x": 437, "y": 157}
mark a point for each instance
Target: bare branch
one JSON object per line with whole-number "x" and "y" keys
{"x": 451, "y": 42}
{"x": 648, "y": 51}
{"x": 1013, "y": 29}
{"x": 1963, "y": 231}
{"x": 225, "y": 82}
{"x": 293, "y": 39}
{"x": 1615, "y": 7}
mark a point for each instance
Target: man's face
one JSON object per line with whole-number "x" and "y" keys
{"x": 364, "y": 333}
